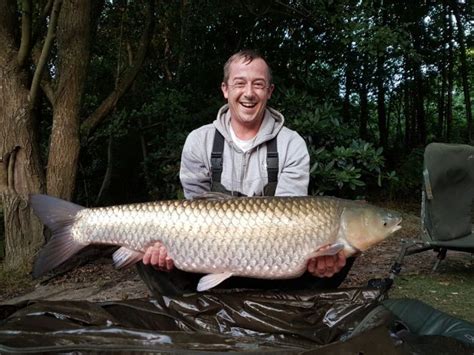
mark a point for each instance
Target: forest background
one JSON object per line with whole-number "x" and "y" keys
{"x": 97, "y": 97}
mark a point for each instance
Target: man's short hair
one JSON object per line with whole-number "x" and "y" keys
{"x": 248, "y": 55}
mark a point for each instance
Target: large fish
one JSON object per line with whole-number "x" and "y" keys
{"x": 260, "y": 237}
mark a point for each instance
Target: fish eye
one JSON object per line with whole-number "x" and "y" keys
{"x": 384, "y": 224}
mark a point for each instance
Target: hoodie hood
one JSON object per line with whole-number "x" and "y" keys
{"x": 271, "y": 125}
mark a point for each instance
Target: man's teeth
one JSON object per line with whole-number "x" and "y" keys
{"x": 248, "y": 104}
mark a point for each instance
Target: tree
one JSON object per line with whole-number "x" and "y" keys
{"x": 463, "y": 68}
{"x": 53, "y": 56}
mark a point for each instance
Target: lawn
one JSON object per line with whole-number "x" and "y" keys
{"x": 449, "y": 289}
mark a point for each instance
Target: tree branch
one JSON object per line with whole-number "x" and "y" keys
{"x": 25, "y": 44}
{"x": 293, "y": 9}
{"x": 48, "y": 90}
{"x": 91, "y": 122}
{"x": 35, "y": 84}
{"x": 38, "y": 29}
{"x": 46, "y": 80}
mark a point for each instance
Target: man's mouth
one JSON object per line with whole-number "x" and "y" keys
{"x": 248, "y": 104}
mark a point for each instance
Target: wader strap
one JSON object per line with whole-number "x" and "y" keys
{"x": 217, "y": 161}
{"x": 216, "y": 157}
{"x": 272, "y": 168}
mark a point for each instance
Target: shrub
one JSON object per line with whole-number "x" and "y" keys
{"x": 340, "y": 164}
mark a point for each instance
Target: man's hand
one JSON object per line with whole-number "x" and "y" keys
{"x": 157, "y": 256}
{"x": 326, "y": 265}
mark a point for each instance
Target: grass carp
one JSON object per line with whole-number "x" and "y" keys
{"x": 259, "y": 237}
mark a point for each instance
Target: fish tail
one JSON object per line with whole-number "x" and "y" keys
{"x": 59, "y": 216}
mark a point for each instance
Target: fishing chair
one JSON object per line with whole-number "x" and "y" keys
{"x": 447, "y": 195}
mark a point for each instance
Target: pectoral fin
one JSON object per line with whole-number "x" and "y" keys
{"x": 124, "y": 257}
{"x": 212, "y": 196}
{"x": 332, "y": 250}
{"x": 211, "y": 280}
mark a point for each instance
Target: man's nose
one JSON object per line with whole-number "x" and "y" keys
{"x": 249, "y": 90}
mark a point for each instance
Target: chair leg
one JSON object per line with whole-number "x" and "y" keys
{"x": 441, "y": 256}
{"x": 408, "y": 248}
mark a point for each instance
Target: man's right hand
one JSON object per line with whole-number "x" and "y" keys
{"x": 157, "y": 256}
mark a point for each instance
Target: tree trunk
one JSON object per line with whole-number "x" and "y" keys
{"x": 449, "y": 103}
{"x": 74, "y": 22}
{"x": 407, "y": 106}
{"x": 441, "y": 104}
{"x": 464, "y": 70}
{"x": 349, "y": 79}
{"x": 364, "y": 111}
{"x": 381, "y": 110}
{"x": 346, "y": 105}
{"x": 364, "y": 101}
{"x": 419, "y": 106}
{"x": 442, "y": 92}
{"x": 21, "y": 173}
{"x": 418, "y": 97}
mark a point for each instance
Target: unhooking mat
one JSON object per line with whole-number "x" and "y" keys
{"x": 346, "y": 321}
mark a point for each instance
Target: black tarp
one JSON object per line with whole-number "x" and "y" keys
{"x": 346, "y": 321}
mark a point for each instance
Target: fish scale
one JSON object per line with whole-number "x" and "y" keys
{"x": 265, "y": 239}
{"x": 262, "y": 237}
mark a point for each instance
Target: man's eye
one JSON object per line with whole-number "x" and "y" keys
{"x": 239, "y": 85}
{"x": 259, "y": 86}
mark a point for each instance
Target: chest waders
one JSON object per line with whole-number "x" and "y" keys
{"x": 217, "y": 163}
{"x": 177, "y": 282}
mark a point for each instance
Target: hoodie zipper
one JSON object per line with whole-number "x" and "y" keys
{"x": 245, "y": 163}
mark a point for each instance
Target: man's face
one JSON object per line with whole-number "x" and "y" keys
{"x": 247, "y": 91}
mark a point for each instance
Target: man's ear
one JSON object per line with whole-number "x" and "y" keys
{"x": 225, "y": 89}
{"x": 270, "y": 91}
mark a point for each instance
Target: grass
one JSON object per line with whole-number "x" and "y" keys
{"x": 13, "y": 281}
{"x": 449, "y": 289}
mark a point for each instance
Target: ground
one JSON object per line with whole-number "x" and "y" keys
{"x": 98, "y": 281}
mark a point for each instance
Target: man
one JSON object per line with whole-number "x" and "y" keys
{"x": 246, "y": 151}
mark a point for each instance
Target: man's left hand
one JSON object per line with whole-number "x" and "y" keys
{"x": 327, "y": 265}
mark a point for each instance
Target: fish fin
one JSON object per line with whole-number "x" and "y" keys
{"x": 59, "y": 216}
{"x": 125, "y": 257}
{"x": 54, "y": 212}
{"x": 211, "y": 280}
{"x": 332, "y": 250}
{"x": 212, "y": 196}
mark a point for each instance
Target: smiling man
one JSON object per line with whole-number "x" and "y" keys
{"x": 241, "y": 137}
{"x": 246, "y": 151}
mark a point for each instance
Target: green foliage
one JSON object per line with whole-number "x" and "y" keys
{"x": 318, "y": 51}
{"x": 347, "y": 171}
{"x": 340, "y": 164}
{"x": 171, "y": 114}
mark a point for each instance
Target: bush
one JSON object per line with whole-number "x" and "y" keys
{"x": 347, "y": 171}
{"x": 172, "y": 115}
{"x": 340, "y": 164}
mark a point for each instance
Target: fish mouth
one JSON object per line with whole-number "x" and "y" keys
{"x": 398, "y": 224}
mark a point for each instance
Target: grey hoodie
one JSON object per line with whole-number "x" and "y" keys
{"x": 245, "y": 172}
